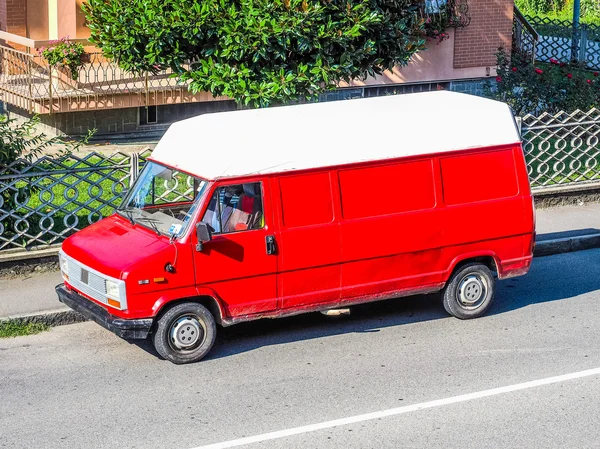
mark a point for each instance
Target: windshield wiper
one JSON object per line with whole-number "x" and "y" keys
{"x": 128, "y": 215}
{"x": 152, "y": 223}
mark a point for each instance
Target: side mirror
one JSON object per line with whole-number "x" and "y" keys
{"x": 204, "y": 235}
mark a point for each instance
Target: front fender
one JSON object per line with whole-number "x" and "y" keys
{"x": 178, "y": 294}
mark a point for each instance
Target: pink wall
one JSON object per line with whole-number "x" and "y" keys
{"x": 83, "y": 32}
{"x": 436, "y": 63}
{"x": 71, "y": 20}
{"x": 66, "y": 13}
{"x": 37, "y": 19}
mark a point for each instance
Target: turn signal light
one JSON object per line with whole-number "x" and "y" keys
{"x": 114, "y": 303}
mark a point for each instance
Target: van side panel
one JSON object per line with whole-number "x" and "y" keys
{"x": 308, "y": 240}
{"x": 472, "y": 178}
{"x": 390, "y": 228}
{"x": 485, "y": 211}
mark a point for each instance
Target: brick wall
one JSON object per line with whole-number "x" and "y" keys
{"x": 13, "y": 16}
{"x": 490, "y": 28}
{"x": 3, "y": 15}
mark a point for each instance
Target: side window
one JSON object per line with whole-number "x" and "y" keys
{"x": 235, "y": 208}
{"x": 306, "y": 200}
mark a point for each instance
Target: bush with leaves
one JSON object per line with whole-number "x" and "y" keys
{"x": 258, "y": 52}
{"x": 21, "y": 144}
{"x": 549, "y": 87}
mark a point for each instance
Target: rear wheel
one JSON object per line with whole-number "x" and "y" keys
{"x": 185, "y": 333}
{"x": 469, "y": 292}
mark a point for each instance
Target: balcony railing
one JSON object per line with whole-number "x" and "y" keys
{"x": 451, "y": 13}
{"x": 30, "y": 83}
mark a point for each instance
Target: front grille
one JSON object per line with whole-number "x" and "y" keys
{"x": 81, "y": 276}
{"x": 90, "y": 282}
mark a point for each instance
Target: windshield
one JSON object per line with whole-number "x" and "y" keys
{"x": 163, "y": 199}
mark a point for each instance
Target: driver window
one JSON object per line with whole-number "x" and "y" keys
{"x": 235, "y": 208}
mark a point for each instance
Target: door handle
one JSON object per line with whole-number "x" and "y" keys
{"x": 271, "y": 245}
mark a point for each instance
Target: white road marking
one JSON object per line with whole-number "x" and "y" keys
{"x": 399, "y": 410}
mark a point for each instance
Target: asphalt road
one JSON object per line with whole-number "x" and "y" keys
{"x": 79, "y": 386}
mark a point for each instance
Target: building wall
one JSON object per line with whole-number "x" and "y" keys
{"x": 121, "y": 121}
{"x": 37, "y": 19}
{"x": 13, "y": 16}
{"x": 82, "y": 31}
{"x": 469, "y": 52}
{"x": 3, "y": 15}
{"x": 66, "y": 18}
{"x": 490, "y": 28}
{"x": 32, "y": 18}
{"x": 435, "y": 63}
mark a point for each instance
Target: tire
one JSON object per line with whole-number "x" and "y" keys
{"x": 469, "y": 292}
{"x": 185, "y": 333}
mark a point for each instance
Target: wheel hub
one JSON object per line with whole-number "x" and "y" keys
{"x": 472, "y": 291}
{"x": 186, "y": 332}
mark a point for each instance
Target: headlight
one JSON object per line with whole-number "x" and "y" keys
{"x": 112, "y": 289}
{"x": 64, "y": 265}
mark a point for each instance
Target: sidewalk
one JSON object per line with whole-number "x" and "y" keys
{"x": 567, "y": 228}
{"x": 559, "y": 229}
{"x": 30, "y": 295}
{"x": 567, "y": 221}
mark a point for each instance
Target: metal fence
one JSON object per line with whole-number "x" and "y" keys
{"x": 556, "y": 42}
{"x": 45, "y": 201}
{"x": 562, "y": 149}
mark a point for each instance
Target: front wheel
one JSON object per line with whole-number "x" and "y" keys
{"x": 469, "y": 292}
{"x": 185, "y": 333}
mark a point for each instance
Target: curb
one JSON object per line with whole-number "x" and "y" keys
{"x": 566, "y": 245}
{"x": 543, "y": 248}
{"x": 50, "y": 318}
{"x": 19, "y": 255}
{"x": 547, "y": 197}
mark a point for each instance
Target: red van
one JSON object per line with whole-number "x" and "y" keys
{"x": 273, "y": 212}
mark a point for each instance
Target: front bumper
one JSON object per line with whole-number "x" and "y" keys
{"x": 132, "y": 329}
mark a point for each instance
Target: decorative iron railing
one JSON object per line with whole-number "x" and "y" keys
{"x": 29, "y": 82}
{"x": 452, "y": 13}
{"x": 556, "y": 41}
{"x": 525, "y": 37}
{"x": 562, "y": 149}
{"x": 45, "y": 201}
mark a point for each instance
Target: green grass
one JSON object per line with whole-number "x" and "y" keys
{"x": 562, "y": 11}
{"x": 17, "y": 328}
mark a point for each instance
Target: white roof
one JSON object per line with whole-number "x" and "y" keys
{"x": 276, "y": 139}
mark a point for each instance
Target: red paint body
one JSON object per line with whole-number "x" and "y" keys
{"x": 344, "y": 235}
